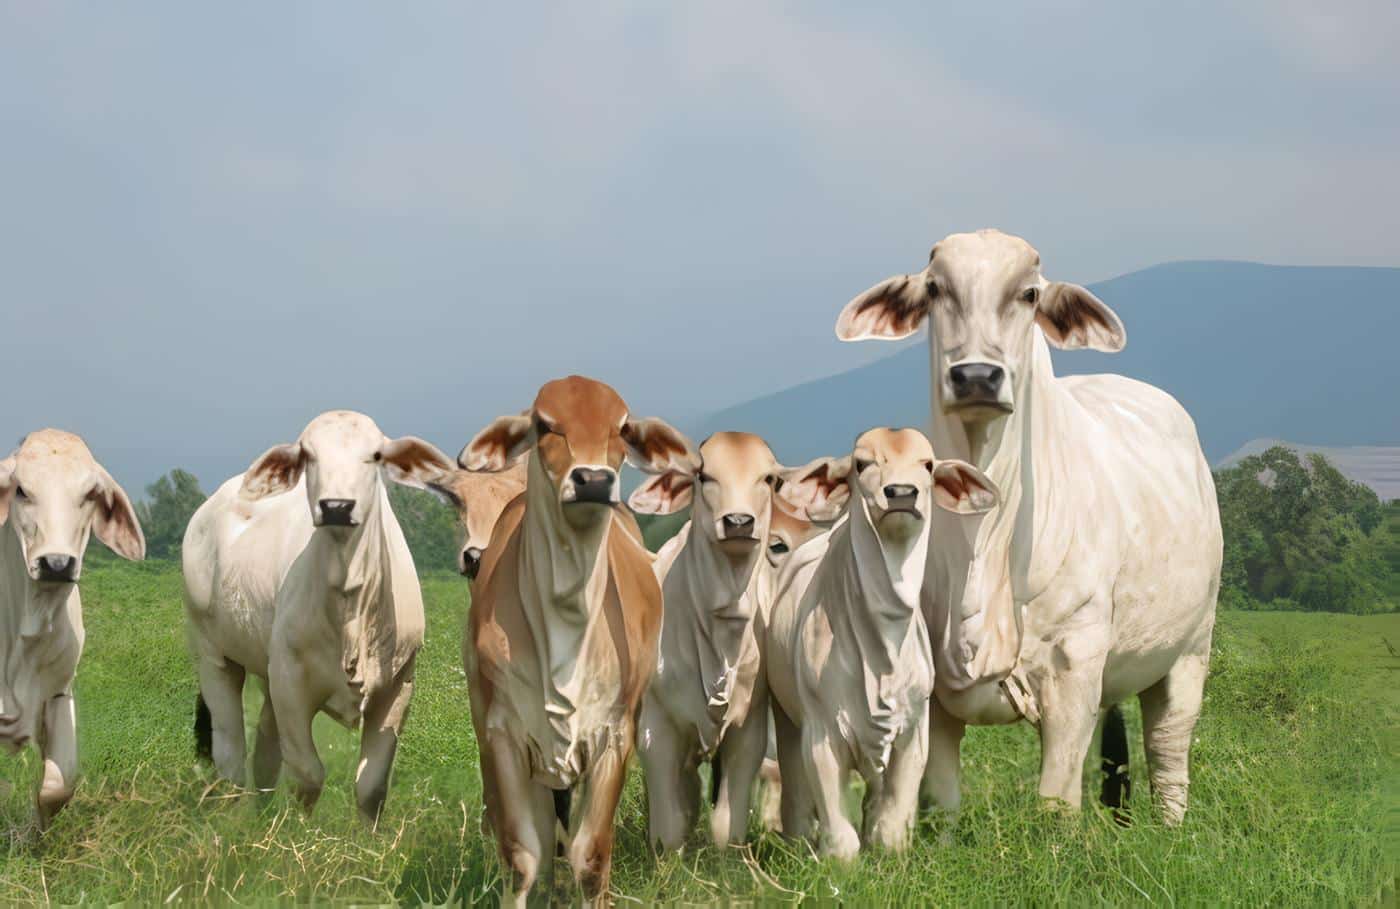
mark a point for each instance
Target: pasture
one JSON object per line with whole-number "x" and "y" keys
{"x": 1295, "y": 788}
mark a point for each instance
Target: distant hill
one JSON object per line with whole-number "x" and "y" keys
{"x": 1376, "y": 466}
{"x": 1252, "y": 351}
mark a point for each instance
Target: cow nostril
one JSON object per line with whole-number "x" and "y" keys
{"x": 471, "y": 561}
{"x": 900, "y": 491}
{"x": 57, "y": 567}
{"x": 337, "y": 512}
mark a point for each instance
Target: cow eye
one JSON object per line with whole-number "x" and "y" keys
{"x": 778, "y": 547}
{"x": 542, "y": 428}
{"x": 20, "y": 493}
{"x": 378, "y": 456}
{"x": 931, "y": 288}
{"x": 861, "y": 465}
{"x": 928, "y": 465}
{"x": 1030, "y": 295}
{"x": 703, "y": 477}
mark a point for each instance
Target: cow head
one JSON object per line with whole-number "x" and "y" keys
{"x": 54, "y": 494}
{"x": 579, "y": 432}
{"x": 987, "y": 298}
{"x": 341, "y": 455}
{"x": 786, "y": 532}
{"x": 895, "y": 474}
{"x": 734, "y": 482}
{"x": 479, "y": 499}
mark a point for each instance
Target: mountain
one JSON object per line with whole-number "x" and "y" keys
{"x": 1376, "y": 466}
{"x": 1252, "y": 351}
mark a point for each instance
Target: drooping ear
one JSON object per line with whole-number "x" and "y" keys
{"x": 654, "y": 446}
{"x": 817, "y": 491}
{"x": 504, "y": 441}
{"x": 664, "y": 493}
{"x": 893, "y": 309}
{"x": 1072, "y": 318}
{"x": 277, "y": 471}
{"x": 115, "y": 523}
{"x": 7, "y": 486}
{"x": 963, "y": 489}
{"x": 410, "y": 461}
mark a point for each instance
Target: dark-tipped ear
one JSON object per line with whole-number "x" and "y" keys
{"x": 1072, "y": 318}
{"x": 115, "y": 523}
{"x": 664, "y": 493}
{"x": 893, "y": 309}
{"x": 278, "y": 470}
{"x": 817, "y": 491}
{"x": 504, "y": 441}
{"x": 7, "y": 487}
{"x": 654, "y": 446}
{"x": 963, "y": 489}
{"x": 410, "y": 461}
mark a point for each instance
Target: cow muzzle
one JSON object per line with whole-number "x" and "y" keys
{"x": 591, "y": 486}
{"x": 902, "y": 498}
{"x": 978, "y": 387}
{"x": 736, "y": 531}
{"x": 55, "y": 568}
{"x": 336, "y": 513}
{"x": 471, "y": 562}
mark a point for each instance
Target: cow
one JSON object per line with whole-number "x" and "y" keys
{"x": 479, "y": 499}
{"x": 563, "y": 628}
{"x": 297, "y": 572}
{"x": 848, "y": 653}
{"x": 53, "y": 495}
{"x": 708, "y": 701}
{"x": 1097, "y": 578}
{"x": 786, "y": 533}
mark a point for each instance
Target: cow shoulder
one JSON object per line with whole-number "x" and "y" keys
{"x": 637, "y": 596}
{"x": 493, "y": 585}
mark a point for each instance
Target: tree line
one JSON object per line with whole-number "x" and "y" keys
{"x": 1298, "y": 534}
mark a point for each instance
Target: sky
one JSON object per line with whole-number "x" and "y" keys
{"x": 216, "y": 222}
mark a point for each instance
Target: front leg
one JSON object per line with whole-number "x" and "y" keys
{"x": 942, "y": 784}
{"x": 827, "y": 775}
{"x": 295, "y": 705}
{"x": 741, "y": 755}
{"x": 58, "y": 745}
{"x": 1069, "y": 712}
{"x": 590, "y": 851}
{"x": 890, "y": 822}
{"x": 383, "y": 723}
{"x": 673, "y": 786}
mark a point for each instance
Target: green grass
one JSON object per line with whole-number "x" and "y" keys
{"x": 1292, "y": 801}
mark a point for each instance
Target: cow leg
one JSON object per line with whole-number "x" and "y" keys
{"x": 522, "y": 814}
{"x": 796, "y": 807}
{"x": 889, "y": 822}
{"x": 741, "y": 755}
{"x": 1069, "y": 713}
{"x": 942, "y": 783}
{"x": 221, "y": 686}
{"x": 590, "y": 851}
{"x": 673, "y": 786}
{"x": 294, "y": 712}
{"x": 58, "y": 745}
{"x": 828, "y": 776}
{"x": 267, "y": 748}
{"x": 1170, "y": 709}
{"x": 383, "y": 722}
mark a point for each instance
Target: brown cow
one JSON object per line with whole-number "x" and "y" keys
{"x": 479, "y": 499}
{"x": 562, "y": 636}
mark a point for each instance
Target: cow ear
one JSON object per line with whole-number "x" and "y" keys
{"x": 1072, "y": 318}
{"x": 893, "y": 309}
{"x": 410, "y": 461}
{"x": 278, "y": 470}
{"x": 664, "y": 493}
{"x": 7, "y": 487}
{"x": 115, "y": 523}
{"x": 450, "y": 488}
{"x": 963, "y": 489}
{"x": 504, "y": 441}
{"x": 818, "y": 491}
{"x": 654, "y": 446}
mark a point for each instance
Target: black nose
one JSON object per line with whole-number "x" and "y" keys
{"x": 55, "y": 567}
{"x": 738, "y": 525}
{"x": 593, "y": 484}
{"x": 976, "y": 381}
{"x": 471, "y": 561}
{"x": 337, "y": 512}
{"x": 900, "y": 491}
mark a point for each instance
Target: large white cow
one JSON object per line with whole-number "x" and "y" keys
{"x": 53, "y": 495}
{"x": 297, "y": 572}
{"x": 708, "y": 701}
{"x": 1097, "y": 578}
{"x": 848, "y": 652}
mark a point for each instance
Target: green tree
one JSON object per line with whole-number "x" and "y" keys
{"x": 429, "y": 527}
{"x": 166, "y": 511}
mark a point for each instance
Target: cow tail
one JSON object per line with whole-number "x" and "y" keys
{"x": 1117, "y": 786}
{"x": 716, "y": 774}
{"x": 203, "y": 730}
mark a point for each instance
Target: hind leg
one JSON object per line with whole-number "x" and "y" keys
{"x": 1170, "y": 709}
{"x": 221, "y": 686}
{"x": 796, "y": 805}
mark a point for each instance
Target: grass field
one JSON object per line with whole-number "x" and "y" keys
{"x": 1293, "y": 799}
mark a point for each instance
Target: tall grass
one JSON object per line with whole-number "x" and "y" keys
{"x": 1294, "y": 775}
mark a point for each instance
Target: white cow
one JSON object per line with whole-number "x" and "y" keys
{"x": 708, "y": 700}
{"x": 848, "y": 652}
{"x": 53, "y": 494}
{"x": 297, "y": 572}
{"x": 1097, "y": 578}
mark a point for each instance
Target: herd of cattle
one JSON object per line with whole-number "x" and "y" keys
{"x": 1051, "y": 548}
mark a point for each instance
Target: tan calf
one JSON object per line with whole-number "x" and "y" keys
{"x": 479, "y": 499}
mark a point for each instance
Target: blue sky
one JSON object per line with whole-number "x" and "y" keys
{"x": 220, "y": 221}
